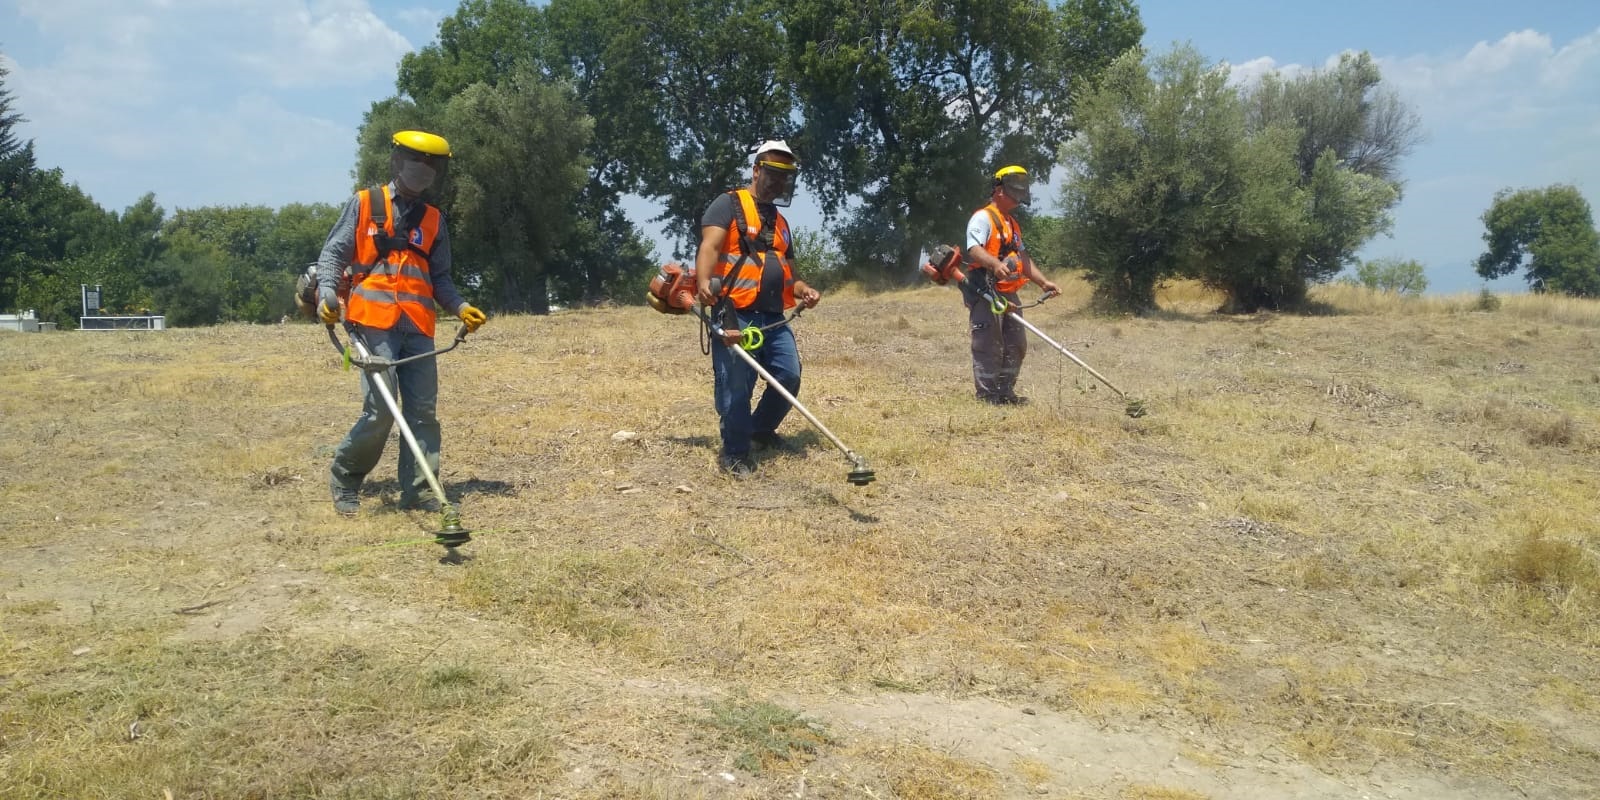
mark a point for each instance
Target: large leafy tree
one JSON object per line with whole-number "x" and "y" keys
{"x": 519, "y": 169}
{"x": 680, "y": 90}
{"x": 17, "y": 172}
{"x": 1547, "y": 232}
{"x": 1163, "y": 180}
{"x": 1260, "y": 194}
{"x": 597, "y": 250}
{"x": 910, "y": 105}
{"x": 1352, "y": 134}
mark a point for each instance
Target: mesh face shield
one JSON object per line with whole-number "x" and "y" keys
{"x": 415, "y": 171}
{"x": 1017, "y": 186}
{"x": 775, "y": 182}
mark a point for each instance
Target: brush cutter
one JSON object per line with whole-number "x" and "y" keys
{"x": 999, "y": 305}
{"x": 450, "y": 533}
{"x": 751, "y": 338}
{"x": 944, "y": 266}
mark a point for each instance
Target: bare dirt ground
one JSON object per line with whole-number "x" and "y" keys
{"x": 1351, "y": 555}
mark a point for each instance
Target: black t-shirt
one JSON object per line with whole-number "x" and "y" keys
{"x": 722, "y": 213}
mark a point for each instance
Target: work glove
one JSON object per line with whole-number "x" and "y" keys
{"x": 472, "y": 318}
{"x": 328, "y": 306}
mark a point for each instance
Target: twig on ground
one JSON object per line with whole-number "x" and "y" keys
{"x": 725, "y": 548}
{"x": 197, "y": 609}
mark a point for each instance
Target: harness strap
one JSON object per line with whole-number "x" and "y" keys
{"x": 1007, "y": 243}
{"x": 385, "y": 243}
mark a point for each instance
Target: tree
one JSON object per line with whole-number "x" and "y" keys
{"x": 1164, "y": 180}
{"x": 1401, "y": 276}
{"x": 1259, "y": 194}
{"x": 487, "y": 42}
{"x": 680, "y": 90}
{"x": 17, "y": 170}
{"x": 10, "y": 145}
{"x": 909, "y": 106}
{"x": 1352, "y": 135}
{"x": 1549, "y": 232}
{"x": 518, "y": 168}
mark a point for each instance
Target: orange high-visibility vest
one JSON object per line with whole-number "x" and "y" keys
{"x": 397, "y": 281}
{"x": 746, "y": 284}
{"x": 1005, "y": 241}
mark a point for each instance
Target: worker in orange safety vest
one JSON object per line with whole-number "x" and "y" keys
{"x": 1000, "y": 265}
{"x": 745, "y": 242}
{"x": 392, "y": 252}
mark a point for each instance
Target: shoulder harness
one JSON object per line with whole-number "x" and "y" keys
{"x": 378, "y": 201}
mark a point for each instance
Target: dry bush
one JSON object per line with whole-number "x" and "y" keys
{"x": 1547, "y": 564}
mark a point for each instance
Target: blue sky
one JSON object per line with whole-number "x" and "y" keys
{"x": 227, "y": 102}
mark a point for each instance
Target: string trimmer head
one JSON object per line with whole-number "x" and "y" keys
{"x": 861, "y": 474}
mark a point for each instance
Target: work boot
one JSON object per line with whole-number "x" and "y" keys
{"x": 427, "y": 503}
{"x": 346, "y": 501}
{"x": 768, "y": 440}
{"x": 1014, "y": 400}
{"x": 741, "y": 466}
{"x": 993, "y": 399}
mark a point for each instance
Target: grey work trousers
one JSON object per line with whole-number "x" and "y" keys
{"x": 999, "y": 344}
{"x": 418, "y": 397}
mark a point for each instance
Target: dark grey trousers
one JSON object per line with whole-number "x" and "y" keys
{"x": 998, "y": 347}
{"x": 418, "y": 396}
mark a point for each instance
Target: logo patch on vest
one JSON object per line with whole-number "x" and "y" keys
{"x": 416, "y": 236}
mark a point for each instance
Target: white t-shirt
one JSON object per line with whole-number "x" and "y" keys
{"x": 979, "y": 228}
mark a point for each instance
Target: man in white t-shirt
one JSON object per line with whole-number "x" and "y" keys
{"x": 1000, "y": 265}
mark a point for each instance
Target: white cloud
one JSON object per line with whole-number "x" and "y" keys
{"x": 202, "y": 101}
{"x": 1573, "y": 63}
{"x": 332, "y": 41}
{"x": 1517, "y": 83}
{"x": 1251, "y": 71}
{"x": 279, "y": 42}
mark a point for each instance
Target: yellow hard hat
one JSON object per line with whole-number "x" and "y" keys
{"x": 423, "y": 142}
{"x": 1016, "y": 183}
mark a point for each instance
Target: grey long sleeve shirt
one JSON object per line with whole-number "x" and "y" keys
{"x": 341, "y": 247}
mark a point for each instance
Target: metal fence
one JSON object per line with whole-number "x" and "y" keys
{"x": 147, "y": 323}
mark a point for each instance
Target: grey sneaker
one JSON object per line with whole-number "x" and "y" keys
{"x": 346, "y": 501}
{"x": 737, "y": 466}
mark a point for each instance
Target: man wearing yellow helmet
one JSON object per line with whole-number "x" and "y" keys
{"x": 387, "y": 263}
{"x": 1001, "y": 264}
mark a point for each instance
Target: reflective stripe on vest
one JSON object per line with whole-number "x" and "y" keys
{"x": 746, "y": 284}
{"x": 1005, "y": 241}
{"x": 400, "y": 282}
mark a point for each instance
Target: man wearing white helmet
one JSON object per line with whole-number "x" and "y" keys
{"x": 745, "y": 242}
{"x": 397, "y": 249}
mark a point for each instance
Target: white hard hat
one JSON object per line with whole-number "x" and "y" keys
{"x": 773, "y": 146}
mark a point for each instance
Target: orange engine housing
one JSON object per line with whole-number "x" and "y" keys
{"x": 944, "y": 265}
{"x": 672, "y": 289}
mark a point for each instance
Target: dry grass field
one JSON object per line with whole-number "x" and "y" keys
{"x": 1346, "y": 555}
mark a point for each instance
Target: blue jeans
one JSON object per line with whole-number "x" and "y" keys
{"x": 418, "y": 397}
{"x": 736, "y": 381}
